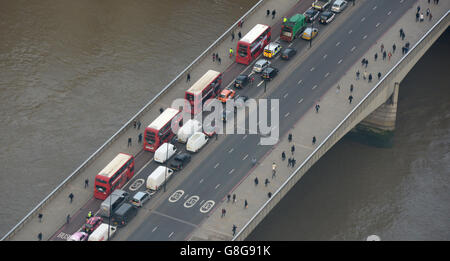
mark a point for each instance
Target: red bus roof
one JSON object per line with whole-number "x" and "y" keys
{"x": 163, "y": 119}
{"x": 115, "y": 165}
{"x": 253, "y": 34}
{"x": 203, "y": 82}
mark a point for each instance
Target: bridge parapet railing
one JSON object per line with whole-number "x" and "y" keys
{"x": 342, "y": 128}
{"x": 127, "y": 125}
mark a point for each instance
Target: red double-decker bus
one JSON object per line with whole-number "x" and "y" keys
{"x": 114, "y": 175}
{"x": 253, "y": 43}
{"x": 207, "y": 87}
{"x": 160, "y": 130}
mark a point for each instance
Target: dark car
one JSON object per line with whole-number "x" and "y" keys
{"x": 288, "y": 53}
{"x": 180, "y": 161}
{"x": 269, "y": 73}
{"x": 241, "y": 81}
{"x": 327, "y": 17}
{"x": 311, "y": 14}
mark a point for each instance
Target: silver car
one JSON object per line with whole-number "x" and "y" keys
{"x": 339, "y": 6}
{"x": 260, "y": 65}
{"x": 140, "y": 198}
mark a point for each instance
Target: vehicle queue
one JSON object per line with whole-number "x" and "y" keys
{"x": 118, "y": 206}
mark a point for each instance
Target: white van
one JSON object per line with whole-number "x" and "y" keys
{"x": 158, "y": 177}
{"x": 101, "y": 233}
{"x": 164, "y": 152}
{"x": 188, "y": 129}
{"x": 196, "y": 141}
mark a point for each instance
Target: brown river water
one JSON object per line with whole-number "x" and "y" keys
{"x": 73, "y": 72}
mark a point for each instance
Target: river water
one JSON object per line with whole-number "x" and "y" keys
{"x": 73, "y": 72}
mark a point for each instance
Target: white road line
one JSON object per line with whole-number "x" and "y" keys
{"x": 300, "y": 101}
{"x": 251, "y": 73}
{"x": 362, "y": 19}
{"x": 315, "y": 86}
{"x": 244, "y": 137}
{"x": 218, "y": 185}
{"x": 378, "y": 24}
{"x": 231, "y": 171}
{"x": 375, "y": 7}
{"x": 340, "y": 61}
{"x": 326, "y": 75}
{"x": 312, "y": 69}
{"x": 245, "y": 157}
{"x": 155, "y": 229}
{"x": 338, "y": 43}
{"x": 389, "y": 13}
{"x": 401, "y": 1}
{"x": 299, "y": 81}
{"x": 349, "y": 32}
{"x": 171, "y": 234}
{"x": 290, "y": 45}
{"x": 231, "y": 150}
{"x": 287, "y": 114}
{"x": 325, "y": 56}
{"x": 353, "y": 48}
{"x": 260, "y": 83}
{"x": 365, "y": 36}
{"x": 285, "y": 95}
{"x": 216, "y": 165}
{"x": 201, "y": 180}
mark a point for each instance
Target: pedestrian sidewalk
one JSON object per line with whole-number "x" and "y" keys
{"x": 334, "y": 107}
{"x": 55, "y": 211}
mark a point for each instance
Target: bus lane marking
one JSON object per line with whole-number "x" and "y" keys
{"x": 176, "y": 196}
{"x": 136, "y": 184}
{"x": 191, "y": 201}
{"x": 207, "y": 206}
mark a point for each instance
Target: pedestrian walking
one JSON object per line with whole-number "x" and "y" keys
{"x": 403, "y": 50}
{"x": 273, "y": 14}
{"x": 234, "y": 229}
{"x": 139, "y": 125}
{"x": 290, "y": 137}
{"x": 350, "y": 98}
{"x": 283, "y": 156}
{"x": 223, "y": 213}
{"x": 393, "y": 48}
{"x": 219, "y": 60}
{"x": 293, "y": 162}
{"x": 351, "y": 87}
{"x": 253, "y": 161}
{"x": 267, "y": 12}
{"x": 140, "y": 138}
{"x": 375, "y": 56}
{"x": 357, "y": 77}
{"x": 269, "y": 194}
{"x": 234, "y": 198}
{"x": 293, "y": 149}
{"x": 239, "y": 35}
{"x": 401, "y": 32}
{"x": 379, "y": 75}
{"x": 418, "y": 8}
{"x": 365, "y": 75}
{"x": 129, "y": 142}
{"x": 231, "y": 52}
{"x": 245, "y": 204}
{"x": 188, "y": 78}
{"x": 266, "y": 182}
{"x": 429, "y": 17}
{"x": 161, "y": 110}
{"x": 428, "y": 12}
{"x": 228, "y": 197}
{"x": 421, "y": 17}
{"x": 370, "y": 78}
{"x": 389, "y": 56}
{"x": 68, "y": 219}
{"x": 71, "y": 197}
{"x": 338, "y": 87}
{"x": 40, "y": 217}
{"x": 289, "y": 162}
{"x": 314, "y": 140}
{"x": 384, "y": 55}
{"x": 274, "y": 167}
{"x": 134, "y": 124}
{"x": 240, "y": 23}
{"x": 232, "y": 36}
{"x": 86, "y": 183}
{"x": 417, "y": 16}
{"x": 317, "y": 108}
{"x": 367, "y": 63}
{"x": 256, "y": 181}
{"x": 40, "y": 236}
{"x": 214, "y": 57}
{"x": 252, "y": 80}
{"x": 382, "y": 47}
{"x": 403, "y": 36}
{"x": 363, "y": 62}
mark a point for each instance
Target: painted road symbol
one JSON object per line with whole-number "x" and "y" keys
{"x": 191, "y": 201}
{"x": 207, "y": 206}
{"x": 176, "y": 196}
{"x": 136, "y": 184}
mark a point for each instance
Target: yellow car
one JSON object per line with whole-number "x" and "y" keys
{"x": 310, "y": 33}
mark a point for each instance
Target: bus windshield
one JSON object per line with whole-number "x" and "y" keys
{"x": 242, "y": 50}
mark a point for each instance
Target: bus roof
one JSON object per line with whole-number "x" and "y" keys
{"x": 115, "y": 165}
{"x": 251, "y": 36}
{"x": 163, "y": 119}
{"x": 206, "y": 79}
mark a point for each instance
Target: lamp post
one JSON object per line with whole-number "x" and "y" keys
{"x": 167, "y": 166}
{"x": 109, "y": 219}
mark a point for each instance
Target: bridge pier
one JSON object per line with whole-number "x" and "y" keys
{"x": 378, "y": 128}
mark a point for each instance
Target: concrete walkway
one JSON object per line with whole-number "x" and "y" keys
{"x": 56, "y": 210}
{"x": 334, "y": 106}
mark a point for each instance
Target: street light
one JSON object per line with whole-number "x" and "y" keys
{"x": 167, "y": 165}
